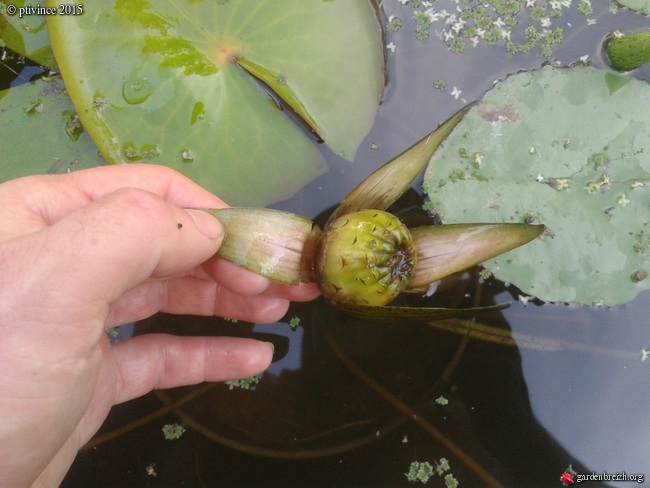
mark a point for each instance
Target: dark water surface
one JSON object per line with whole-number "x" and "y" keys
{"x": 352, "y": 404}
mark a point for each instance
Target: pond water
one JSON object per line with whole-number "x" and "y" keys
{"x": 352, "y": 404}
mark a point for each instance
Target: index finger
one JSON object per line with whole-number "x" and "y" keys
{"x": 51, "y": 197}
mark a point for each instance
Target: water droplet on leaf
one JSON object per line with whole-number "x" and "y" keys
{"x": 136, "y": 90}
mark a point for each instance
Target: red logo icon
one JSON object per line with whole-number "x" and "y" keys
{"x": 567, "y": 477}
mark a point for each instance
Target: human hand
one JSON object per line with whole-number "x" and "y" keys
{"x": 95, "y": 249}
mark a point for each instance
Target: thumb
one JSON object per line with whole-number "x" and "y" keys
{"x": 104, "y": 249}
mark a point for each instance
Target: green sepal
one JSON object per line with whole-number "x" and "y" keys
{"x": 388, "y": 183}
{"x": 447, "y": 249}
{"x": 271, "y": 243}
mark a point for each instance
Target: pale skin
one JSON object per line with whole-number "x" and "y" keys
{"x": 95, "y": 249}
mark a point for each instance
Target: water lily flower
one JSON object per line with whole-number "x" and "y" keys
{"x": 365, "y": 257}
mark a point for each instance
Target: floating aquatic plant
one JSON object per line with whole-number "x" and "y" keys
{"x": 642, "y": 6}
{"x": 41, "y": 132}
{"x": 422, "y": 472}
{"x": 629, "y": 52}
{"x": 26, "y": 35}
{"x": 364, "y": 257}
{"x": 211, "y": 88}
{"x": 173, "y": 431}
{"x": 243, "y": 383}
{"x": 568, "y": 148}
{"x": 520, "y": 25}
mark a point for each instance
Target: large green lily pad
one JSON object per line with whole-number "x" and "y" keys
{"x": 568, "y": 148}
{"x": 642, "y": 6}
{"x": 26, "y": 35}
{"x": 41, "y": 133}
{"x": 177, "y": 83}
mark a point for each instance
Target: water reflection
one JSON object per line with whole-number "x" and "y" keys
{"x": 591, "y": 400}
{"x": 325, "y": 409}
{"x": 355, "y": 393}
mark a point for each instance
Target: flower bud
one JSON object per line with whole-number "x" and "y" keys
{"x": 365, "y": 258}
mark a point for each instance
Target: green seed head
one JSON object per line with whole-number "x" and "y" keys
{"x": 365, "y": 258}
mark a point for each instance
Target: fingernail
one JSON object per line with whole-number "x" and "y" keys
{"x": 272, "y": 347}
{"x": 207, "y": 224}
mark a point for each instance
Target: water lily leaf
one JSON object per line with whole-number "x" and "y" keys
{"x": 27, "y": 36}
{"x": 178, "y": 83}
{"x": 41, "y": 132}
{"x": 271, "y": 243}
{"x": 447, "y": 249}
{"x": 629, "y": 52}
{"x": 388, "y": 183}
{"x": 568, "y": 148}
{"x": 642, "y": 6}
